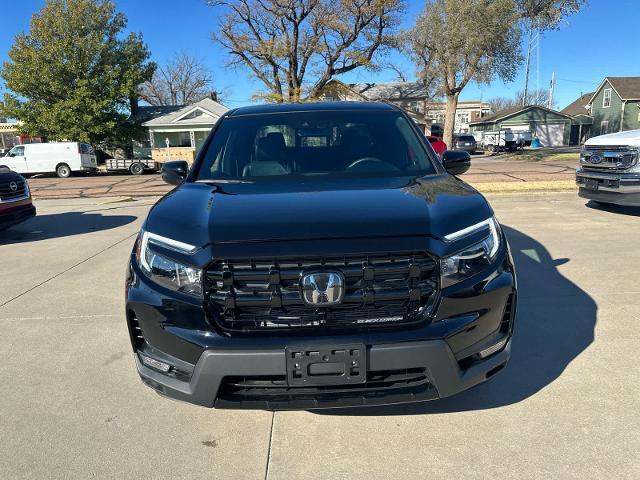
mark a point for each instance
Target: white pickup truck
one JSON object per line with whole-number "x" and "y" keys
{"x": 609, "y": 170}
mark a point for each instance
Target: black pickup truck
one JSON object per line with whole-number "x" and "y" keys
{"x": 319, "y": 255}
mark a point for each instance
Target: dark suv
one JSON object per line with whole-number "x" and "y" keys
{"x": 315, "y": 256}
{"x": 15, "y": 199}
{"x": 465, "y": 142}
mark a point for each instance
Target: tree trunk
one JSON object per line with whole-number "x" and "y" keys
{"x": 450, "y": 118}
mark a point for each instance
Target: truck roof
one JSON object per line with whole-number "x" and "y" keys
{"x": 311, "y": 107}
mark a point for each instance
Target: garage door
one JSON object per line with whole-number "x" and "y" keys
{"x": 550, "y": 135}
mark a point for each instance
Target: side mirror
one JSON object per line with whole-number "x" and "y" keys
{"x": 456, "y": 162}
{"x": 175, "y": 172}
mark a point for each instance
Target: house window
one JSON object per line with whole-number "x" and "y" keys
{"x": 463, "y": 117}
{"x": 604, "y": 127}
{"x": 606, "y": 98}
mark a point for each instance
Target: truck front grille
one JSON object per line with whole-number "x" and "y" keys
{"x": 608, "y": 158}
{"x": 274, "y": 392}
{"x": 12, "y": 189}
{"x": 381, "y": 290}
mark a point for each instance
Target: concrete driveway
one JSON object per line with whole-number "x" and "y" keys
{"x": 566, "y": 406}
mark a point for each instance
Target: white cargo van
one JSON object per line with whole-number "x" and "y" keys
{"x": 60, "y": 158}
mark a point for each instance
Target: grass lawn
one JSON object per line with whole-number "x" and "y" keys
{"x": 541, "y": 155}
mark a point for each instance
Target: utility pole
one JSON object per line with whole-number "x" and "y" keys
{"x": 530, "y": 41}
{"x": 551, "y": 86}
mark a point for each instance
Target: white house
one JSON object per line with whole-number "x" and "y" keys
{"x": 179, "y": 134}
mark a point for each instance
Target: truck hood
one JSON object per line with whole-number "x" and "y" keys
{"x": 629, "y": 138}
{"x": 201, "y": 213}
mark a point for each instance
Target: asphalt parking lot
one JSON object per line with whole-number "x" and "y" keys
{"x": 566, "y": 406}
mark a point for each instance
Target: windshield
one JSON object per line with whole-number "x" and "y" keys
{"x": 319, "y": 143}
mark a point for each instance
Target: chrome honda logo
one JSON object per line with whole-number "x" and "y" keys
{"x": 322, "y": 289}
{"x": 13, "y": 186}
{"x": 595, "y": 159}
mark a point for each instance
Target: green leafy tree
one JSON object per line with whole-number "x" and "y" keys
{"x": 74, "y": 75}
{"x": 459, "y": 41}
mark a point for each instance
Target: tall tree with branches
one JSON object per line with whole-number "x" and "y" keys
{"x": 284, "y": 43}
{"x": 75, "y": 73}
{"x": 183, "y": 80}
{"x": 459, "y": 41}
{"x": 542, "y": 15}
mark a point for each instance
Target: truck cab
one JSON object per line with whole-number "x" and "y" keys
{"x": 609, "y": 172}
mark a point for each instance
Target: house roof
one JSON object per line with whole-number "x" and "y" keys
{"x": 145, "y": 113}
{"x": 460, "y": 104}
{"x": 510, "y": 112}
{"x": 578, "y": 106}
{"x": 627, "y": 88}
{"x": 213, "y": 110}
{"x": 391, "y": 90}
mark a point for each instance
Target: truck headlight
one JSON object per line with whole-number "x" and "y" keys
{"x": 474, "y": 258}
{"x": 165, "y": 271}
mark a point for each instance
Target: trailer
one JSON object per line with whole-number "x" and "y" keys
{"x": 504, "y": 139}
{"x": 135, "y": 166}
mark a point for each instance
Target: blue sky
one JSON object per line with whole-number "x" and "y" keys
{"x": 597, "y": 42}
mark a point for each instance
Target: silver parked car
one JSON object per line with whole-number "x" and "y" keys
{"x": 465, "y": 142}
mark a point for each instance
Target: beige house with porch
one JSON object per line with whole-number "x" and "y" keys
{"x": 8, "y": 132}
{"x": 179, "y": 135}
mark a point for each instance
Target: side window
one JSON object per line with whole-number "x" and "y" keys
{"x": 86, "y": 149}
{"x": 606, "y": 98}
{"x": 17, "y": 152}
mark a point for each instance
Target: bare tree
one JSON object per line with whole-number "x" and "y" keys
{"x": 543, "y": 15}
{"x": 458, "y": 41}
{"x": 284, "y": 42}
{"x": 533, "y": 97}
{"x": 399, "y": 72}
{"x": 183, "y": 80}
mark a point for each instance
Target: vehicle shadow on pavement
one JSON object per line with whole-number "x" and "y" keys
{"x": 611, "y": 208}
{"x": 58, "y": 225}
{"x": 555, "y": 323}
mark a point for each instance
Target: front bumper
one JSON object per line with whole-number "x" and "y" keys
{"x": 608, "y": 187}
{"x": 469, "y": 149}
{"x": 442, "y": 378}
{"x": 17, "y": 213}
{"x": 434, "y": 360}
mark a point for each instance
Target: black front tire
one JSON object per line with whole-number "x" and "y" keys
{"x": 63, "y": 170}
{"x": 136, "y": 169}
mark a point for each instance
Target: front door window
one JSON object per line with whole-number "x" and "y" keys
{"x": 17, "y": 152}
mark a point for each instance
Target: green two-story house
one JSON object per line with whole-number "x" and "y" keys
{"x": 615, "y": 105}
